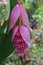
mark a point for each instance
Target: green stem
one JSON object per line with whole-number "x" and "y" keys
{"x": 20, "y": 20}
{"x": 19, "y": 1}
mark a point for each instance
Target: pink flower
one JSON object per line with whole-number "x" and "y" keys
{"x": 21, "y": 38}
{"x": 20, "y": 33}
{"x": 18, "y": 12}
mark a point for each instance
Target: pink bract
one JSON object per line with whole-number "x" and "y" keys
{"x": 13, "y": 17}
{"x": 17, "y": 13}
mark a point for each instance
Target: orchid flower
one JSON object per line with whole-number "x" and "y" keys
{"x": 20, "y": 33}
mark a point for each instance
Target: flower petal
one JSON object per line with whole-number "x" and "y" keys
{"x": 24, "y": 15}
{"x": 25, "y": 34}
{"x": 14, "y": 16}
{"x": 14, "y": 30}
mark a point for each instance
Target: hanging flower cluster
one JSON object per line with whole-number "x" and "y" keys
{"x": 20, "y": 32}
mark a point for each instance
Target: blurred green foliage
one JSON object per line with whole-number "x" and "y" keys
{"x": 4, "y": 10}
{"x": 38, "y": 15}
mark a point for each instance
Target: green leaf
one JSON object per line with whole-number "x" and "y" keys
{"x": 6, "y": 47}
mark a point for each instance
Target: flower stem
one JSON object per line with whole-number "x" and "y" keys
{"x": 20, "y": 21}
{"x": 19, "y": 1}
